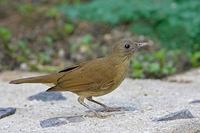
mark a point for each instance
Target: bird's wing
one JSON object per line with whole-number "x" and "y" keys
{"x": 69, "y": 68}
{"x": 88, "y": 76}
{"x": 73, "y": 67}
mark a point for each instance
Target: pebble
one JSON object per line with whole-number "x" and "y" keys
{"x": 47, "y": 96}
{"x": 58, "y": 121}
{"x": 4, "y": 112}
{"x": 182, "y": 114}
{"x": 194, "y": 102}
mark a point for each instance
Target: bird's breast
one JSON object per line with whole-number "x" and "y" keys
{"x": 122, "y": 70}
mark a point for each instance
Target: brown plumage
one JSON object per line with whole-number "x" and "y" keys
{"x": 92, "y": 78}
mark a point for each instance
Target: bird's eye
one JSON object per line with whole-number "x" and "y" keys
{"x": 127, "y": 46}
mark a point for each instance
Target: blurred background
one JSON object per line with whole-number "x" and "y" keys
{"x": 48, "y": 35}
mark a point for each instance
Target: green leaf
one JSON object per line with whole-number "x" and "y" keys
{"x": 87, "y": 39}
{"x": 68, "y": 28}
{"x": 153, "y": 67}
{"x": 195, "y": 60}
{"x": 25, "y": 8}
{"x": 137, "y": 73}
{"x": 5, "y": 34}
{"x": 52, "y": 12}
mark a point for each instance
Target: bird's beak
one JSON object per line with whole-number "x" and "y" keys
{"x": 141, "y": 44}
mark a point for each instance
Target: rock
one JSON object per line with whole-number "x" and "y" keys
{"x": 194, "y": 102}
{"x": 4, "y": 112}
{"x": 47, "y": 96}
{"x": 58, "y": 121}
{"x": 182, "y": 114}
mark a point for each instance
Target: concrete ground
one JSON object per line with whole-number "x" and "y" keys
{"x": 149, "y": 106}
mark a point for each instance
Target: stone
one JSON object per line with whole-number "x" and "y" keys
{"x": 194, "y": 102}
{"x": 47, "y": 96}
{"x": 4, "y": 112}
{"x": 182, "y": 114}
{"x": 58, "y": 121}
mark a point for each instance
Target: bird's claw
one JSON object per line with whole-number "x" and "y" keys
{"x": 112, "y": 109}
{"x": 98, "y": 115}
{"x": 101, "y": 116}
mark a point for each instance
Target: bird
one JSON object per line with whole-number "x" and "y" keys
{"x": 92, "y": 78}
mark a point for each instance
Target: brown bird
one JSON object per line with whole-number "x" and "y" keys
{"x": 92, "y": 78}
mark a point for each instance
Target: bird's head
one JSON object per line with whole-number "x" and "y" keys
{"x": 127, "y": 47}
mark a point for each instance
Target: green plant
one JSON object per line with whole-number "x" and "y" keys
{"x": 195, "y": 59}
{"x": 44, "y": 58}
{"x": 156, "y": 64}
{"x": 86, "y": 39}
{"x": 5, "y": 34}
{"x": 48, "y": 40}
{"x": 25, "y": 8}
{"x": 68, "y": 28}
{"x": 20, "y": 51}
{"x": 52, "y": 12}
{"x": 85, "y": 45}
{"x": 174, "y": 23}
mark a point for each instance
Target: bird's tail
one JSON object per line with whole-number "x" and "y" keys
{"x": 52, "y": 78}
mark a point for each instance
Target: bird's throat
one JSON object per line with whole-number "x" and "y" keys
{"x": 120, "y": 58}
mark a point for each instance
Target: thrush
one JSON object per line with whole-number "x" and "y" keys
{"x": 92, "y": 78}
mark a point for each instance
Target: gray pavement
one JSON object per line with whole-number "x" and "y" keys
{"x": 144, "y": 103}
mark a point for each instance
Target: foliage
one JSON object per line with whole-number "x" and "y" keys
{"x": 37, "y": 37}
{"x": 5, "y": 34}
{"x": 161, "y": 63}
{"x": 195, "y": 59}
{"x": 25, "y": 8}
{"x": 155, "y": 64}
{"x": 175, "y": 23}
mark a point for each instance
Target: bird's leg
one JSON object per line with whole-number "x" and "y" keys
{"x": 92, "y": 100}
{"x": 107, "y": 108}
{"x": 81, "y": 101}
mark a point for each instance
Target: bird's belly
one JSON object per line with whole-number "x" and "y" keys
{"x": 94, "y": 93}
{"x": 100, "y": 91}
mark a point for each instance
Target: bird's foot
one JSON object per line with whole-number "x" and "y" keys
{"x": 112, "y": 109}
{"x": 101, "y": 116}
{"x": 97, "y": 115}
